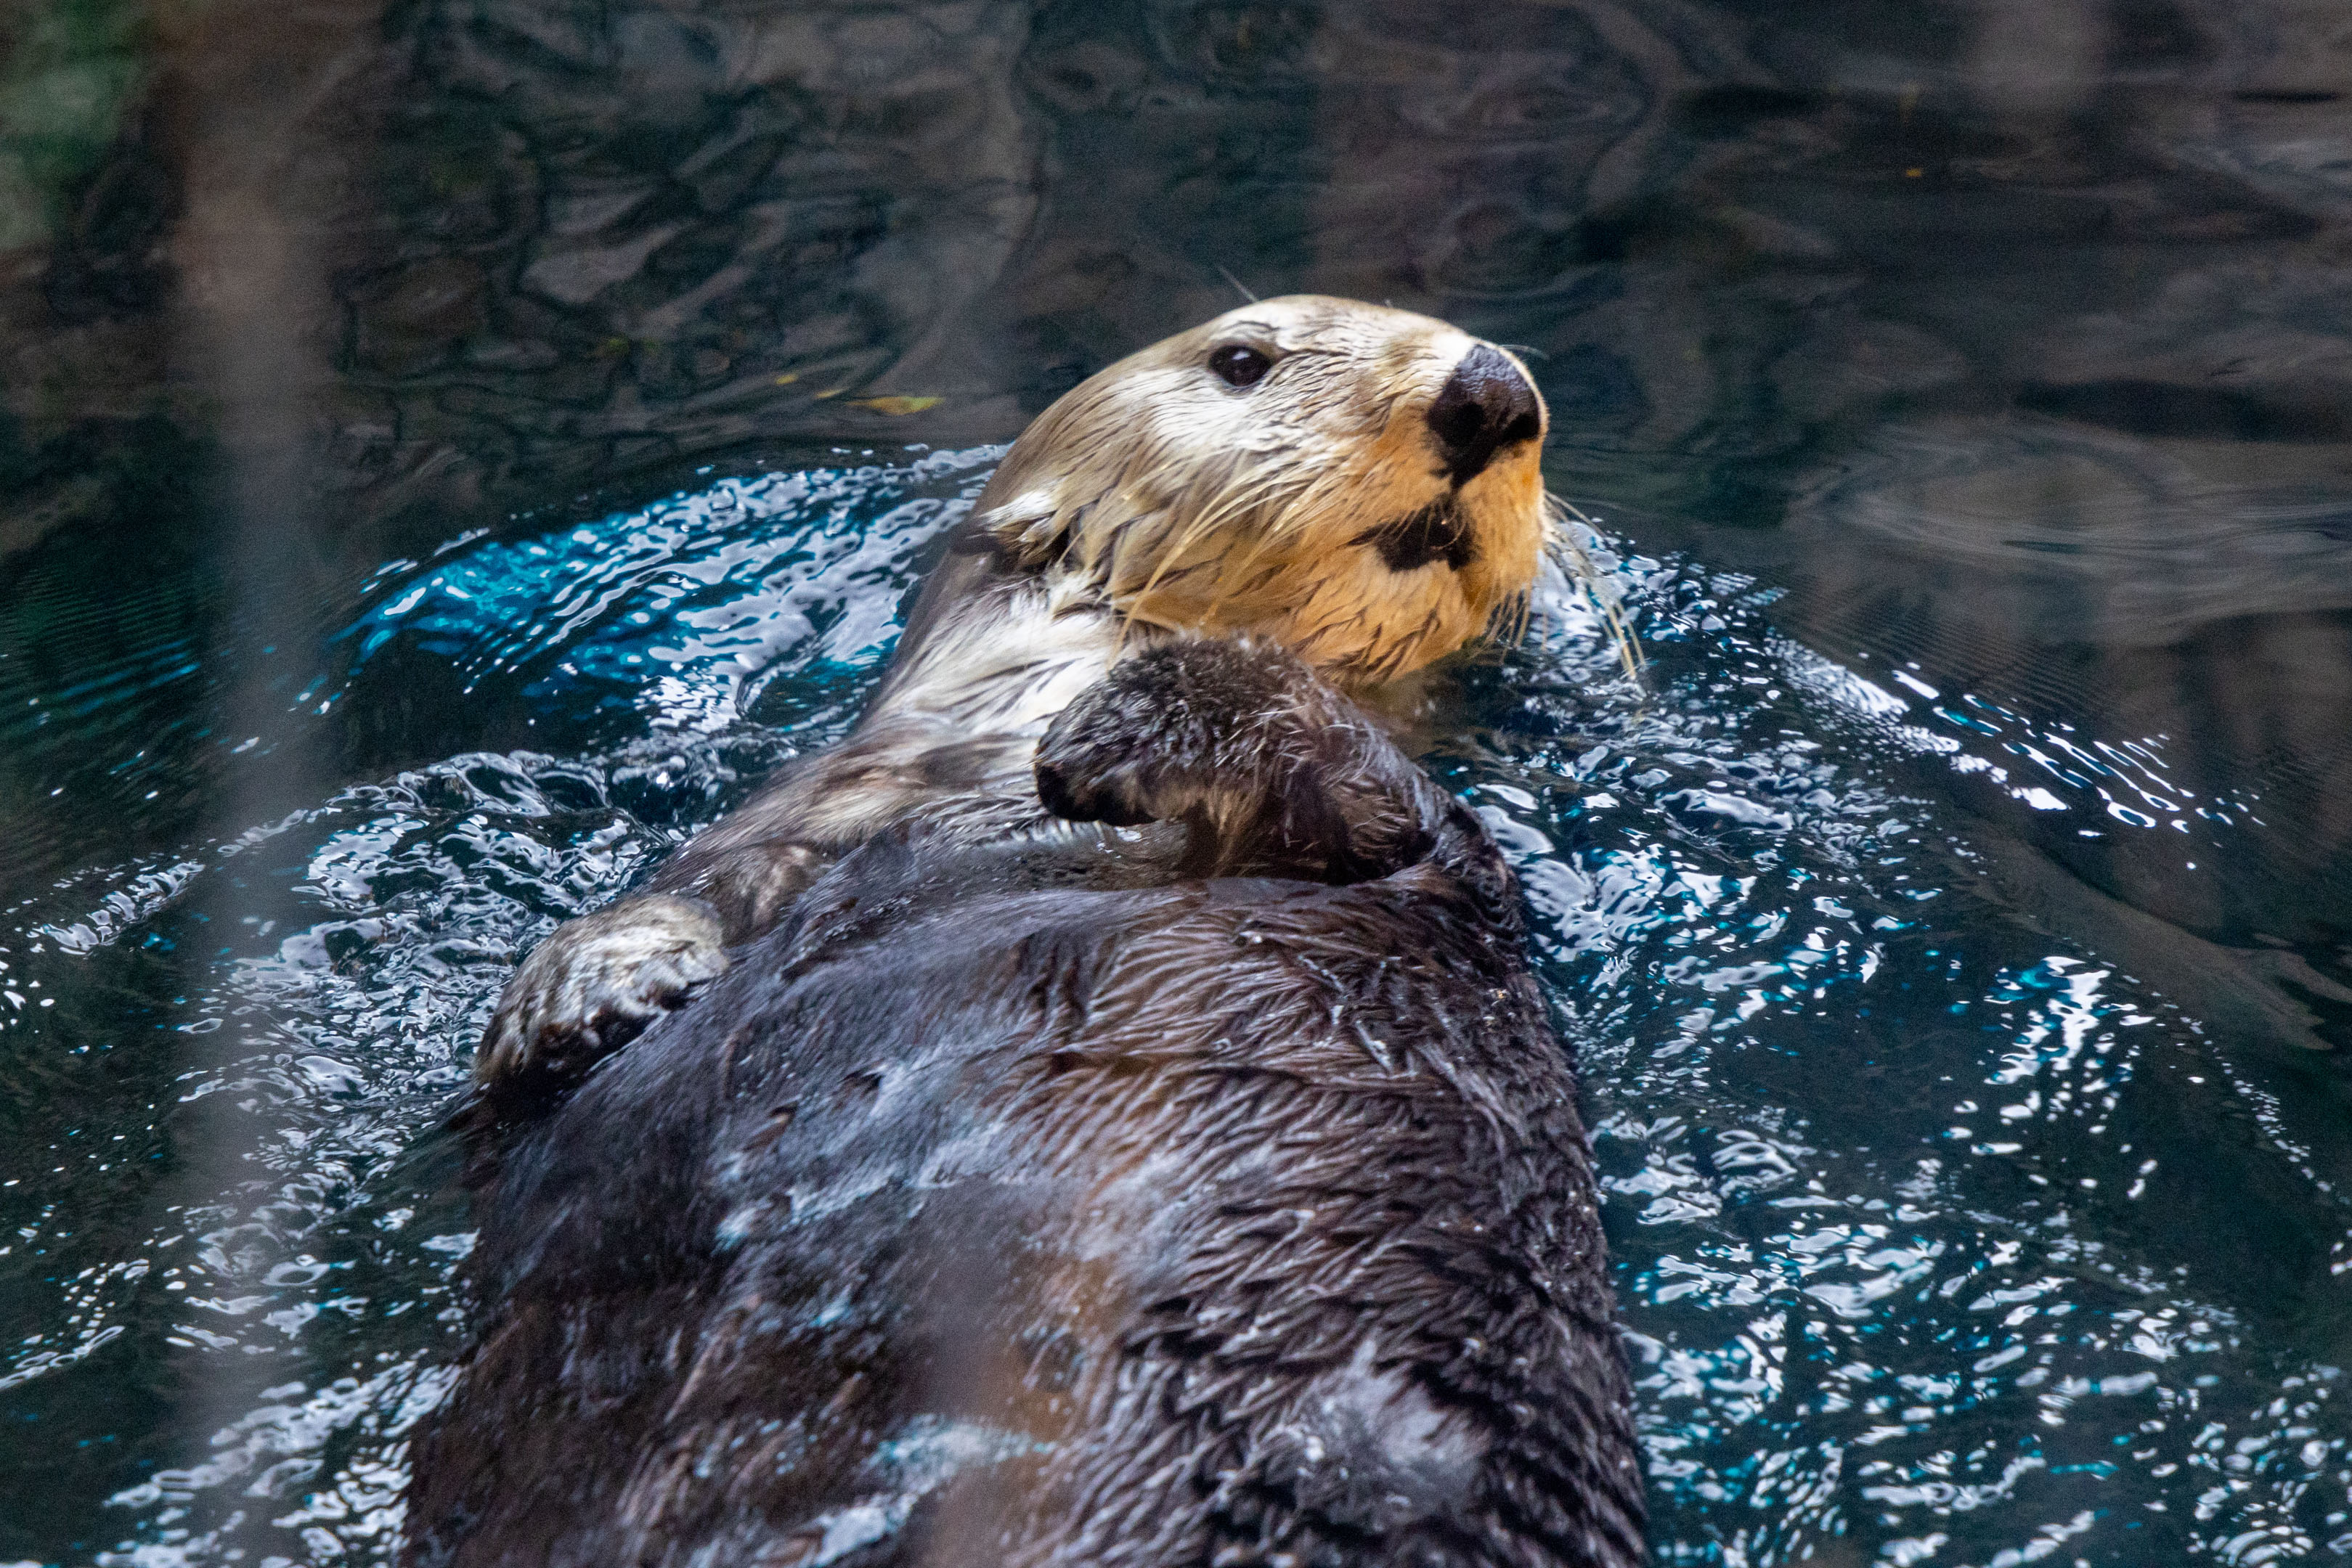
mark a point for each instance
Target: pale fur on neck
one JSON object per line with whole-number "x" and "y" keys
{"x": 1005, "y": 662}
{"x": 949, "y": 739}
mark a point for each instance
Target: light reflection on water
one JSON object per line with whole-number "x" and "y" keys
{"x": 1931, "y": 1234}
{"x": 1938, "y": 1239}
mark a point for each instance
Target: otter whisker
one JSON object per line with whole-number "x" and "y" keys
{"x": 1229, "y": 504}
{"x": 1303, "y": 502}
{"x": 1589, "y": 579}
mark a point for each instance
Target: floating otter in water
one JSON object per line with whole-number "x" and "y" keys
{"x": 1120, "y": 1126}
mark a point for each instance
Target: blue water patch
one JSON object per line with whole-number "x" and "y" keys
{"x": 678, "y": 610}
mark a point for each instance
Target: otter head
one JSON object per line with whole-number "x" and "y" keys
{"x": 1357, "y": 483}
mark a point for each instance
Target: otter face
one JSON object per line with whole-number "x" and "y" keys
{"x": 1357, "y": 483}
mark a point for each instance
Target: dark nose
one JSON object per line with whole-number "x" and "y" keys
{"x": 1484, "y": 406}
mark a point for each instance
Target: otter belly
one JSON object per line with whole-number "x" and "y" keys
{"x": 1239, "y": 1221}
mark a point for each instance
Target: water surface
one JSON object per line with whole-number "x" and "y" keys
{"x": 448, "y": 453}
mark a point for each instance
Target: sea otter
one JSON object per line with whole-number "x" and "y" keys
{"x": 1116, "y": 1123}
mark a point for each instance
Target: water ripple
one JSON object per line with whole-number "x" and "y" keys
{"x": 1939, "y": 1240}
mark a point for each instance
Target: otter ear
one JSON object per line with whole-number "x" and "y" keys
{"x": 1030, "y": 529}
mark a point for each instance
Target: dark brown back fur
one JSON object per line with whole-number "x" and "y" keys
{"x": 994, "y": 1212}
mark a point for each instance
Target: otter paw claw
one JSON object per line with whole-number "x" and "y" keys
{"x": 595, "y": 983}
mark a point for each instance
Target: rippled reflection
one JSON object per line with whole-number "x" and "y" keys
{"x": 1938, "y": 1241}
{"x": 306, "y": 1298}
{"x": 1953, "y": 922}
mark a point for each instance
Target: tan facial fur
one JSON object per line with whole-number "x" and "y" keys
{"x": 1192, "y": 503}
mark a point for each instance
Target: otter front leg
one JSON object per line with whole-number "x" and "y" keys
{"x": 1272, "y": 771}
{"x": 597, "y": 981}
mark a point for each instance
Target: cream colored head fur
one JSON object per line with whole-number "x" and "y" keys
{"x": 1191, "y": 503}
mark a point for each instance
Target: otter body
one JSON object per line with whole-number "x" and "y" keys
{"x": 991, "y": 1212}
{"x": 1114, "y": 1122}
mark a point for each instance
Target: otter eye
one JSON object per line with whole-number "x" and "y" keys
{"x": 1239, "y": 366}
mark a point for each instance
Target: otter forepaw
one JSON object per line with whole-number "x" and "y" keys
{"x": 594, "y": 983}
{"x": 1168, "y": 730}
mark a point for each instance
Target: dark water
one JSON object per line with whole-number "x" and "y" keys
{"x": 449, "y": 451}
